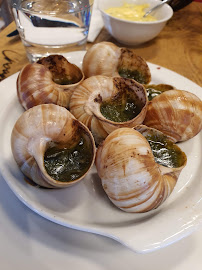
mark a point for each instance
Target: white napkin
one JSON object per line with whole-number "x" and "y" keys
{"x": 96, "y": 23}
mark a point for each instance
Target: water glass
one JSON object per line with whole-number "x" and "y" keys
{"x": 52, "y": 26}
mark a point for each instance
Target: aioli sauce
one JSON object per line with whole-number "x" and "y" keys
{"x": 130, "y": 12}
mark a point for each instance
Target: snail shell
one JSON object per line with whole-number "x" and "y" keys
{"x": 87, "y": 99}
{"x": 131, "y": 178}
{"x": 106, "y": 59}
{"x": 176, "y": 113}
{"x": 50, "y": 80}
{"x": 38, "y": 128}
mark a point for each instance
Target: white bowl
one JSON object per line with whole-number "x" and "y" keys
{"x": 130, "y": 32}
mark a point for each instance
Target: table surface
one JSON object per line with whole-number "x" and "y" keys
{"x": 178, "y": 46}
{"x": 36, "y": 242}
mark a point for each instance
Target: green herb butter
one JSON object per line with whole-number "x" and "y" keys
{"x": 121, "y": 108}
{"x": 68, "y": 164}
{"x": 165, "y": 152}
{"x": 132, "y": 74}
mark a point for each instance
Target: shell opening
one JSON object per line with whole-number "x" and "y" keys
{"x": 63, "y": 72}
{"x": 165, "y": 152}
{"x": 154, "y": 90}
{"x": 122, "y": 107}
{"x": 136, "y": 75}
{"x": 68, "y": 162}
{"x": 133, "y": 67}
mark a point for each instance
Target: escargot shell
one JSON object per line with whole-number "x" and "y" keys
{"x": 106, "y": 59}
{"x": 50, "y": 80}
{"x": 87, "y": 100}
{"x": 38, "y": 130}
{"x": 130, "y": 176}
{"x": 176, "y": 113}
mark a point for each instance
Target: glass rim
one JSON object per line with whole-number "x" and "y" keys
{"x": 19, "y": 6}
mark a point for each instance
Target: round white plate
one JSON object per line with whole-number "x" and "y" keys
{"x": 86, "y": 207}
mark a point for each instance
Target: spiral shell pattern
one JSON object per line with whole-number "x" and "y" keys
{"x": 32, "y": 133}
{"x": 176, "y": 113}
{"x": 101, "y": 59}
{"x": 36, "y": 85}
{"x": 88, "y": 96}
{"x": 106, "y": 59}
{"x": 131, "y": 178}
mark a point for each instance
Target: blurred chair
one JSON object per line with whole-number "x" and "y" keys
{"x": 5, "y": 12}
{"x": 179, "y": 4}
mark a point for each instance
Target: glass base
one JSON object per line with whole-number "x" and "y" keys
{"x": 35, "y": 52}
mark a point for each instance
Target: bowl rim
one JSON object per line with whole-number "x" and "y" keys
{"x": 140, "y": 22}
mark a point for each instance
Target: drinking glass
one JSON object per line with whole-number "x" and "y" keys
{"x": 52, "y": 26}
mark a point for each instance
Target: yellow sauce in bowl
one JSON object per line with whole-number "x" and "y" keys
{"x": 130, "y": 12}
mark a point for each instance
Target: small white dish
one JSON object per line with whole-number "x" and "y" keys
{"x": 132, "y": 32}
{"x": 86, "y": 207}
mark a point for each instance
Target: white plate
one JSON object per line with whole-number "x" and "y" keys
{"x": 86, "y": 207}
{"x": 36, "y": 243}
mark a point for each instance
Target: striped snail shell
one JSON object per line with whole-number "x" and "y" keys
{"x": 39, "y": 130}
{"x": 131, "y": 177}
{"x": 106, "y": 59}
{"x": 176, "y": 113}
{"x": 50, "y": 80}
{"x": 87, "y": 104}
